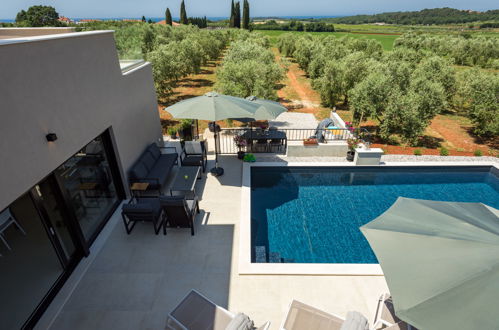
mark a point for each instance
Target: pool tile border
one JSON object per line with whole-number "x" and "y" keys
{"x": 246, "y": 267}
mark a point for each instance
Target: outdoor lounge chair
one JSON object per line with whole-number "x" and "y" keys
{"x": 194, "y": 153}
{"x": 385, "y": 315}
{"x": 304, "y": 317}
{"x": 143, "y": 209}
{"x": 154, "y": 167}
{"x": 180, "y": 211}
{"x": 196, "y": 312}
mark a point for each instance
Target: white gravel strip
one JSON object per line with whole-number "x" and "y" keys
{"x": 385, "y": 158}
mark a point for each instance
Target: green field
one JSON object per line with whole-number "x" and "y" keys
{"x": 385, "y": 40}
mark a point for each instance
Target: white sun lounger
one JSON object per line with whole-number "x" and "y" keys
{"x": 385, "y": 315}
{"x": 196, "y": 312}
{"x": 301, "y": 316}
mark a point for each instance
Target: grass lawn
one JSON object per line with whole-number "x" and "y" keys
{"x": 385, "y": 40}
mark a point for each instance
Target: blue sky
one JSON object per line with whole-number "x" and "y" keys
{"x": 216, "y": 8}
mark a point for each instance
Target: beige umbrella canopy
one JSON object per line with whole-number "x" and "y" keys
{"x": 441, "y": 262}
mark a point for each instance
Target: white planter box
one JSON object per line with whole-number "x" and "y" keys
{"x": 370, "y": 156}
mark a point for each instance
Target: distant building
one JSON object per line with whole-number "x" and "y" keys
{"x": 131, "y": 20}
{"x": 163, "y": 22}
{"x": 65, "y": 19}
{"x": 82, "y": 21}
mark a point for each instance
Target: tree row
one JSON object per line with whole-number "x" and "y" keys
{"x": 402, "y": 90}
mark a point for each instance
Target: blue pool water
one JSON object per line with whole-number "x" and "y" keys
{"x": 312, "y": 214}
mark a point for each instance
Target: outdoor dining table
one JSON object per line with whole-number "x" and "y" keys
{"x": 265, "y": 136}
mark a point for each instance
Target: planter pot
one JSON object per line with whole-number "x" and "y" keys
{"x": 187, "y": 133}
{"x": 350, "y": 155}
{"x": 173, "y": 137}
{"x": 310, "y": 142}
{"x": 240, "y": 154}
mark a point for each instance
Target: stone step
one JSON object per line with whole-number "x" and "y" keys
{"x": 260, "y": 254}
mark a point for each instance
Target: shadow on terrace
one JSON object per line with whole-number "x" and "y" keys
{"x": 137, "y": 279}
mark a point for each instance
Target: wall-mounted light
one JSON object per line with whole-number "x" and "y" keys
{"x": 51, "y": 137}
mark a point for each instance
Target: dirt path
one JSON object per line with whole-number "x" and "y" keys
{"x": 455, "y": 132}
{"x": 297, "y": 93}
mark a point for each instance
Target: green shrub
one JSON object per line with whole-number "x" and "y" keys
{"x": 250, "y": 158}
{"x": 478, "y": 153}
{"x": 172, "y": 130}
{"x": 444, "y": 151}
{"x": 418, "y": 152}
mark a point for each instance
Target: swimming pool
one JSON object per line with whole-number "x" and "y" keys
{"x": 312, "y": 214}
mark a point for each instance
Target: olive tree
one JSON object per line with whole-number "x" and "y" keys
{"x": 480, "y": 91}
{"x": 248, "y": 69}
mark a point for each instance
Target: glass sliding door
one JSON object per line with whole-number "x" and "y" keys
{"x": 29, "y": 266}
{"x": 89, "y": 188}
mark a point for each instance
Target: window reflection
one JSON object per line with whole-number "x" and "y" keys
{"x": 89, "y": 186}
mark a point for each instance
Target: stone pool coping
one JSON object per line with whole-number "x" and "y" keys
{"x": 246, "y": 267}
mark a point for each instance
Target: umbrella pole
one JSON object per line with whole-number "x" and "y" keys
{"x": 216, "y": 171}
{"x": 197, "y": 128}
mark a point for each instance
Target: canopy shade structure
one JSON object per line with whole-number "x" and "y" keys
{"x": 441, "y": 262}
{"x": 213, "y": 107}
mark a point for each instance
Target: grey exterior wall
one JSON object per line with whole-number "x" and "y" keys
{"x": 70, "y": 85}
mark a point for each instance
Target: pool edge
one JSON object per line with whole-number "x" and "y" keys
{"x": 246, "y": 267}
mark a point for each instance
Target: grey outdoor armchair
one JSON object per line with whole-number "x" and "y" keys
{"x": 180, "y": 212}
{"x": 143, "y": 210}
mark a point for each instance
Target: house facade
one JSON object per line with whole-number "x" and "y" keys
{"x": 72, "y": 124}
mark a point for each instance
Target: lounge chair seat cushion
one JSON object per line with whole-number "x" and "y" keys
{"x": 162, "y": 167}
{"x": 148, "y": 161}
{"x": 144, "y": 206}
{"x": 139, "y": 171}
{"x": 154, "y": 150}
{"x": 240, "y": 322}
{"x": 192, "y": 159}
{"x": 355, "y": 321}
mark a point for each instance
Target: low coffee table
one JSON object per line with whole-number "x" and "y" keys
{"x": 185, "y": 181}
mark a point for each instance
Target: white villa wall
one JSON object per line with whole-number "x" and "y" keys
{"x": 69, "y": 84}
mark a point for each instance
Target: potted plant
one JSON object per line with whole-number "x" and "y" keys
{"x": 240, "y": 144}
{"x": 353, "y": 143}
{"x": 185, "y": 130}
{"x": 250, "y": 158}
{"x": 172, "y": 131}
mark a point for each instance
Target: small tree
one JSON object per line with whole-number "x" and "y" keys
{"x": 232, "y": 14}
{"x": 480, "y": 91}
{"x": 237, "y": 15}
{"x": 183, "y": 14}
{"x": 168, "y": 17}
{"x": 246, "y": 15}
{"x": 21, "y": 16}
{"x": 37, "y": 16}
{"x": 148, "y": 40}
{"x": 143, "y": 19}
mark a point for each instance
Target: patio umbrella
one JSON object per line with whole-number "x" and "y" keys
{"x": 213, "y": 107}
{"x": 441, "y": 262}
{"x": 267, "y": 109}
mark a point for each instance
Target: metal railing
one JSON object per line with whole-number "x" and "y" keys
{"x": 257, "y": 141}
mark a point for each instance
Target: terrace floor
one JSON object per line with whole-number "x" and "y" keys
{"x": 135, "y": 280}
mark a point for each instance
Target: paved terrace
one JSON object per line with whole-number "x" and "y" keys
{"x": 135, "y": 280}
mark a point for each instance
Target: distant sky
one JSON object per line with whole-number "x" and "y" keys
{"x": 217, "y": 8}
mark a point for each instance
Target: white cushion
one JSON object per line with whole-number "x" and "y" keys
{"x": 355, "y": 321}
{"x": 240, "y": 322}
